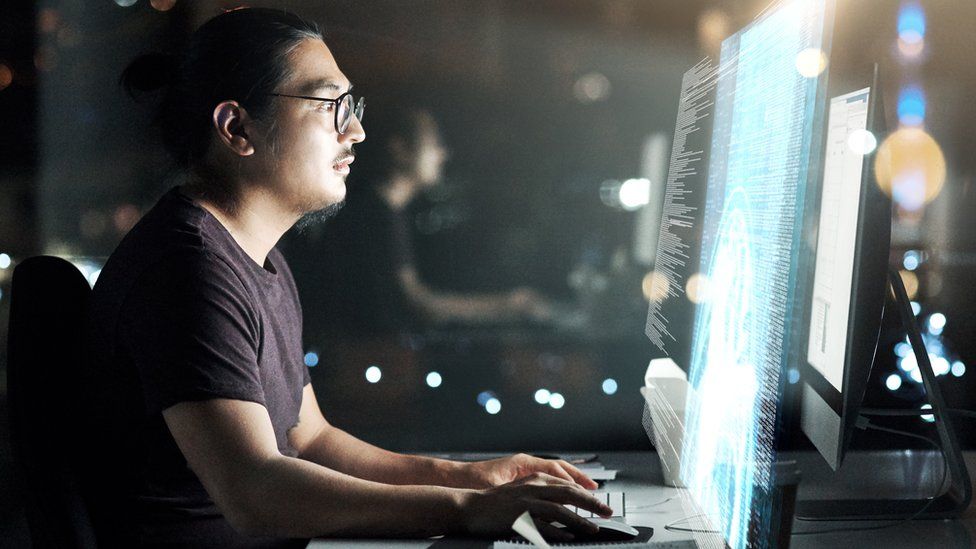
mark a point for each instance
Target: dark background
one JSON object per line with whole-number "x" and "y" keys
{"x": 520, "y": 204}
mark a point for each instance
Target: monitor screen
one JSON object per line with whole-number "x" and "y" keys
{"x": 766, "y": 130}
{"x": 847, "y": 143}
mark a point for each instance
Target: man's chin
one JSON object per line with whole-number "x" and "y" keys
{"x": 318, "y": 216}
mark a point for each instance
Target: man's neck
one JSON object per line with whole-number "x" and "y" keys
{"x": 399, "y": 192}
{"x": 256, "y": 223}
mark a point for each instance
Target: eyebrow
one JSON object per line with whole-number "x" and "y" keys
{"x": 313, "y": 86}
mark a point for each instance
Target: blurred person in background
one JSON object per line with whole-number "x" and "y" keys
{"x": 197, "y": 424}
{"x": 382, "y": 290}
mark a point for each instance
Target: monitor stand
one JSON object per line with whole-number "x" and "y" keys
{"x": 957, "y": 495}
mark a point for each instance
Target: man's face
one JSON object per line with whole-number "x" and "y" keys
{"x": 308, "y": 169}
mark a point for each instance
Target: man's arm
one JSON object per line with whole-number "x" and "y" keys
{"x": 230, "y": 445}
{"x": 318, "y": 441}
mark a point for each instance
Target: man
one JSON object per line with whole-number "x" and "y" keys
{"x": 199, "y": 423}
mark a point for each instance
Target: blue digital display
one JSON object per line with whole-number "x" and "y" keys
{"x": 765, "y": 117}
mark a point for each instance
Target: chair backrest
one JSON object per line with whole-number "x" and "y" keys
{"x": 48, "y": 301}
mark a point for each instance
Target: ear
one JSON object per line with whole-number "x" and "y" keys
{"x": 232, "y": 123}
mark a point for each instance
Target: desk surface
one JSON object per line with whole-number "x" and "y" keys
{"x": 649, "y": 503}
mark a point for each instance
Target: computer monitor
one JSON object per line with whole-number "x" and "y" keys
{"x": 847, "y": 290}
{"x": 765, "y": 120}
{"x": 767, "y": 317}
{"x": 845, "y": 303}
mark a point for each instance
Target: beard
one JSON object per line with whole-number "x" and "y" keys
{"x": 319, "y": 216}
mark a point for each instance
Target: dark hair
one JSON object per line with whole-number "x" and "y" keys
{"x": 240, "y": 54}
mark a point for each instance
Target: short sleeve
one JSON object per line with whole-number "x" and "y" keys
{"x": 189, "y": 327}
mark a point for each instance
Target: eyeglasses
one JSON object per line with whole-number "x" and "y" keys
{"x": 346, "y": 106}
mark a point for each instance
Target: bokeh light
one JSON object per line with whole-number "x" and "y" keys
{"x": 434, "y": 379}
{"x": 655, "y": 286}
{"x": 46, "y": 58}
{"x": 635, "y": 194}
{"x": 162, "y": 5}
{"x": 908, "y": 364}
{"x": 125, "y": 217}
{"x": 862, "y": 142}
{"x": 493, "y": 406}
{"x": 793, "y": 376}
{"x": 916, "y": 307}
{"x": 484, "y": 396}
{"x": 48, "y": 20}
{"x": 916, "y": 375}
{"x": 911, "y": 106}
{"x": 373, "y": 374}
{"x": 542, "y": 396}
{"x": 6, "y": 76}
{"x": 714, "y": 26}
{"x": 909, "y": 49}
{"x": 958, "y": 368}
{"x": 910, "y": 168}
{"x": 311, "y": 359}
{"x": 5, "y": 261}
{"x": 911, "y": 260}
{"x": 927, "y": 417}
{"x": 902, "y": 349}
{"x": 811, "y": 62}
{"x": 910, "y": 281}
{"x": 557, "y": 401}
{"x": 592, "y": 87}
{"x": 125, "y": 3}
{"x": 697, "y": 288}
{"x": 911, "y": 30}
{"x": 911, "y": 23}
{"x": 609, "y": 386}
{"x": 893, "y": 382}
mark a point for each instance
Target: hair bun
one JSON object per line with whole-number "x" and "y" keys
{"x": 149, "y": 72}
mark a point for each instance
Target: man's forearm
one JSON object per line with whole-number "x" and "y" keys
{"x": 291, "y": 497}
{"x": 337, "y": 449}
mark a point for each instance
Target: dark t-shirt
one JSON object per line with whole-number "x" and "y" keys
{"x": 181, "y": 313}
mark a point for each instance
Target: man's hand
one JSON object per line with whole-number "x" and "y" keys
{"x": 496, "y": 472}
{"x": 492, "y": 512}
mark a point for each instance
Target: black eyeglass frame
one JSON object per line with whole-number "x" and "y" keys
{"x": 357, "y": 110}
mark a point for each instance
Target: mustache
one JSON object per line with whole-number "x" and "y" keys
{"x": 346, "y": 154}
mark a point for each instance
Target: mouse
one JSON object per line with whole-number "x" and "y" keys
{"x": 610, "y": 530}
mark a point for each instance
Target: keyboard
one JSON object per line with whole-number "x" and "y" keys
{"x": 616, "y": 500}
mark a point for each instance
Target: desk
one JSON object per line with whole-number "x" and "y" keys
{"x": 640, "y": 478}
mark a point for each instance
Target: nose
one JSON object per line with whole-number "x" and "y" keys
{"x": 354, "y": 133}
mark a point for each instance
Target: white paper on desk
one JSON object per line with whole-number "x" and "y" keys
{"x": 526, "y": 527}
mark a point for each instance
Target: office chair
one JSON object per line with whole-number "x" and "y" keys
{"x": 48, "y": 300}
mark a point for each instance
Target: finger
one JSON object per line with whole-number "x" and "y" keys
{"x": 555, "y": 469}
{"x": 553, "y": 512}
{"x": 576, "y": 496}
{"x": 551, "y": 533}
{"x": 544, "y": 479}
{"x": 578, "y": 476}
